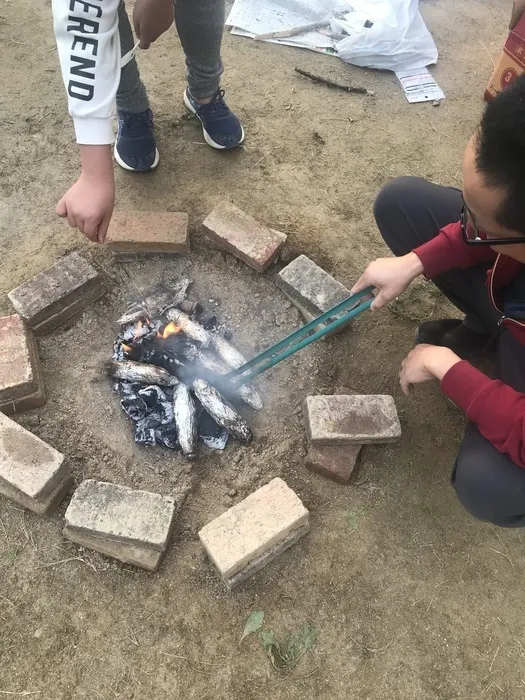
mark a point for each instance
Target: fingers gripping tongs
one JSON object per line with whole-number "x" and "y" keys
{"x": 353, "y": 306}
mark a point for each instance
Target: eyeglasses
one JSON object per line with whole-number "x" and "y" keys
{"x": 473, "y": 236}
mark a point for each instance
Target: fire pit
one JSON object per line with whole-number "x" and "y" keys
{"x": 169, "y": 362}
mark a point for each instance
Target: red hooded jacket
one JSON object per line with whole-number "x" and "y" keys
{"x": 496, "y": 408}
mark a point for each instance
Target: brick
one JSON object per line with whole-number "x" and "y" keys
{"x": 52, "y": 293}
{"x": 119, "y": 513}
{"x": 127, "y": 553}
{"x": 27, "y": 463}
{"x": 309, "y": 287}
{"x": 335, "y": 462}
{"x": 69, "y": 314}
{"x": 250, "y": 530}
{"x": 27, "y": 403}
{"x": 40, "y": 506}
{"x": 244, "y": 237}
{"x": 351, "y": 419}
{"x": 149, "y": 232}
{"x": 19, "y": 361}
{"x": 261, "y": 561}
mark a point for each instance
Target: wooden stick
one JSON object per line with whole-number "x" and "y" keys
{"x": 292, "y": 32}
{"x": 332, "y": 83}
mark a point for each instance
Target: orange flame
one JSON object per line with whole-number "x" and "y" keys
{"x": 170, "y": 329}
{"x": 127, "y": 348}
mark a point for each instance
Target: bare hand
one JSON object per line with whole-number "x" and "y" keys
{"x": 88, "y": 206}
{"x": 518, "y": 9}
{"x": 390, "y": 276}
{"x": 151, "y": 18}
{"x": 425, "y": 362}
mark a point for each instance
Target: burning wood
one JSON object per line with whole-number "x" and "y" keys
{"x": 170, "y": 369}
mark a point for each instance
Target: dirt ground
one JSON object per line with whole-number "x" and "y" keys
{"x": 411, "y": 598}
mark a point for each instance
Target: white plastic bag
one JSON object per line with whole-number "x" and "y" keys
{"x": 384, "y": 34}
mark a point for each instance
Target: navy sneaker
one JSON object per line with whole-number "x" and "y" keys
{"x": 135, "y": 147}
{"x": 220, "y": 126}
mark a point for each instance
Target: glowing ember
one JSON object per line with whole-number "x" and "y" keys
{"x": 170, "y": 329}
{"x": 127, "y": 348}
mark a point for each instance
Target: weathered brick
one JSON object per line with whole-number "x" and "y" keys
{"x": 27, "y": 463}
{"x": 309, "y": 287}
{"x": 58, "y": 293}
{"x": 149, "y": 232}
{"x": 239, "y": 233}
{"x": 20, "y": 376}
{"x": 254, "y": 531}
{"x": 335, "y": 462}
{"x": 114, "y": 512}
{"x": 128, "y": 553}
{"x": 40, "y": 506}
{"x": 351, "y": 419}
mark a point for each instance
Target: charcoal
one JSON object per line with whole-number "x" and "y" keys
{"x": 152, "y": 395}
{"x": 134, "y": 407}
{"x": 144, "y": 436}
{"x": 212, "y": 435}
{"x": 167, "y": 435}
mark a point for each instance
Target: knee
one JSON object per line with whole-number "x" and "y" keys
{"x": 393, "y": 195}
{"x": 483, "y": 491}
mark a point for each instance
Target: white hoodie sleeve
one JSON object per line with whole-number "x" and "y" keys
{"x": 89, "y": 51}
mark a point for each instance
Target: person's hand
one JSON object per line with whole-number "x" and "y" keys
{"x": 88, "y": 206}
{"x": 390, "y": 276}
{"x": 518, "y": 8}
{"x": 151, "y": 18}
{"x": 425, "y": 362}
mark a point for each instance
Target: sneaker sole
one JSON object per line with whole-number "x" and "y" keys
{"x": 134, "y": 170}
{"x": 207, "y": 137}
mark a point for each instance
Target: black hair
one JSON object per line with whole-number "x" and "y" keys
{"x": 500, "y": 156}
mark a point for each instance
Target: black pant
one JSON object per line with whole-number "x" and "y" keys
{"x": 410, "y": 211}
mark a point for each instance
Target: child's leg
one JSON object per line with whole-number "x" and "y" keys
{"x": 131, "y": 94}
{"x": 200, "y": 24}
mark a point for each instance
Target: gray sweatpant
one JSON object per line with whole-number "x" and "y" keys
{"x": 200, "y": 25}
{"x": 410, "y": 211}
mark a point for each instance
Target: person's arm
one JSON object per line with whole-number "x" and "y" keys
{"x": 497, "y": 409}
{"x": 448, "y": 251}
{"x": 89, "y": 50}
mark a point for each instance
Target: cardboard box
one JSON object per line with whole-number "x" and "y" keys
{"x": 511, "y": 63}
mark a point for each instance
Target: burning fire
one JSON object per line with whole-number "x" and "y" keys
{"x": 127, "y": 348}
{"x": 170, "y": 329}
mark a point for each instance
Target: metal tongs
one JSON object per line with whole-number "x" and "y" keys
{"x": 301, "y": 338}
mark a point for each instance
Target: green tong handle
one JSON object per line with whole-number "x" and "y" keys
{"x": 249, "y": 370}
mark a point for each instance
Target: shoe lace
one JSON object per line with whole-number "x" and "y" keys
{"x": 217, "y": 107}
{"x": 135, "y": 123}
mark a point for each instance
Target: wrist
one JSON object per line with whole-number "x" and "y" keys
{"x": 414, "y": 265}
{"x": 439, "y": 361}
{"x": 97, "y": 161}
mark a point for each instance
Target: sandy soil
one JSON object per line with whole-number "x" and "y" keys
{"x": 412, "y": 598}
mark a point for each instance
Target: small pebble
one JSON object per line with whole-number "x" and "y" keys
{"x": 232, "y": 493}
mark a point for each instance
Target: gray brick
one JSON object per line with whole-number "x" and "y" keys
{"x": 28, "y": 464}
{"x": 52, "y": 292}
{"x": 253, "y": 528}
{"x": 119, "y": 513}
{"x": 127, "y": 553}
{"x": 232, "y": 229}
{"x": 309, "y": 287}
{"x": 351, "y": 419}
{"x": 40, "y": 506}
